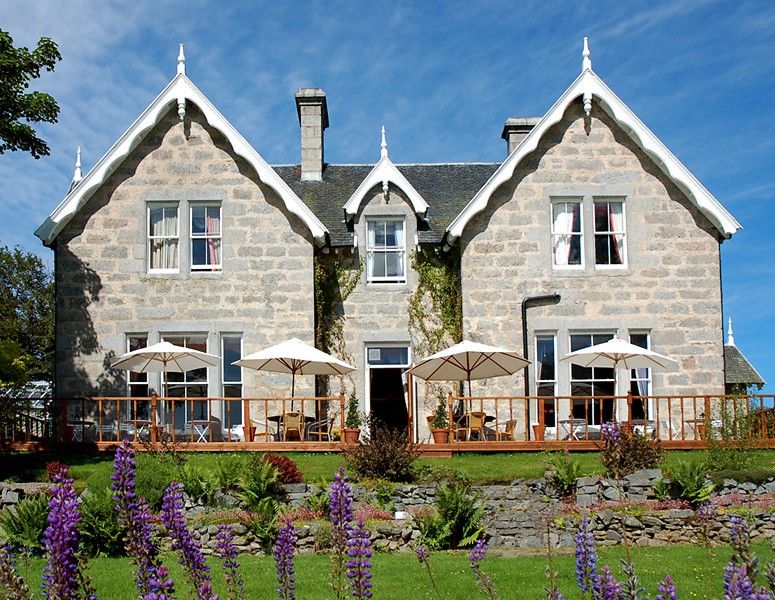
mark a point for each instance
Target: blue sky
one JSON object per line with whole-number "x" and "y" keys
{"x": 441, "y": 76}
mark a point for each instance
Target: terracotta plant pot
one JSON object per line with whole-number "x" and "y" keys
{"x": 538, "y": 432}
{"x": 440, "y": 436}
{"x": 351, "y": 435}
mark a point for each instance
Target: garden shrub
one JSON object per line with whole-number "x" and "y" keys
{"x": 197, "y": 483}
{"x": 434, "y": 473}
{"x": 287, "y": 469}
{"x": 153, "y": 477}
{"x": 101, "y": 532}
{"x": 228, "y": 471}
{"x": 384, "y": 453}
{"x": 318, "y": 501}
{"x": 689, "y": 482}
{"x": 259, "y": 483}
{"x": 624, "y": 452}
{"x": 53, "y": 467}
{"x": 261, "y": 520}
{"x": 23, "y": 525}
{"x": 563, "y": 472}
{"x": 456, "y": 521}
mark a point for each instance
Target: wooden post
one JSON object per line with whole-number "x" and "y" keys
{"x": 410, "y": 407}
{"x": 341, "y": 418}
{"x": 629, "y": 411}
{"x": 451, "y": 416}
{"x": 154, "y": 424}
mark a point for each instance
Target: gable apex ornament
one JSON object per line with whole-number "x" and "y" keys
{"x": 77, "y": 173}
{"x": 181, "y": 71}
{"x": 730, "y": 334}
{"x": 586, "y": 65}
{"x": 383, "y": 153}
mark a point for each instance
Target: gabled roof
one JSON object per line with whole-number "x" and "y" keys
{"x": 385, "y": 172}
{"x": 446, "y": 187}
{"x": 589, "y": 86}
{"x": 177, "y": 92}
{"x": 737, "y": 369}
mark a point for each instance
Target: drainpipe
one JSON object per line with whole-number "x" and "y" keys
{"x": 528, "y": 303}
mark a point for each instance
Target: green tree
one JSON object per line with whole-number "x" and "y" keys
{"x": 26, "y": 317}
{"x": 17, "y": 67}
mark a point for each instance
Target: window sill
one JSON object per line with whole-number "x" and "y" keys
{"x": 387, "y": 285}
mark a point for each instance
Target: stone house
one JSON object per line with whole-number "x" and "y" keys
{"x": 589, "y": 228}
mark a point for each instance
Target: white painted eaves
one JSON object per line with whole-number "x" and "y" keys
{"x": 385, "y": 171}
{"x": 180, "y": 87}
{"x": 590, "y": 84}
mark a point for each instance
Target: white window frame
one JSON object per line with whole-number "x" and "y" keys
{"x": 648, "y": 379}
{"x": 555, "y": 234}
{"x": 623, "y": 233}
{"x": 370, "y": 278}
{"x": 150, "y": 238}
{"x": 185, "y": 383}
{"x": 536, "y": 363}
{"x": 595, "y": 417}
{"x": 204, "y": 236}
{"x": 141, "y": 381}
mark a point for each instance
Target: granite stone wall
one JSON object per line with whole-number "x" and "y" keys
{"x": 670, "y": 287}
{"x": 104, "y": 290}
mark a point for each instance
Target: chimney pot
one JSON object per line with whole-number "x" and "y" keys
{"x": 516, "y": 129}
{"x": 312, "y": 109}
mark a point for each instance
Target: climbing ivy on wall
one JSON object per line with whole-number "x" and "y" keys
{"x": 335, "y": 280}
{"x": 435, "y": 307}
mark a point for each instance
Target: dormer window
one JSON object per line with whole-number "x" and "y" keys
{"x": 386, "y": 251}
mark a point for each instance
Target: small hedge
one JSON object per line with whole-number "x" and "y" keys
{"x": 756, "y": 476}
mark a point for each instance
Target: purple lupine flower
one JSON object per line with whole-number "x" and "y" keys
{"x": 341, "y": 512}
{"x": 341, "y": 516}
{"x": 553, "y": 593}
{"x": 483, "y": 580}
{"x": 666, "y": 589}
{"x": 606, "y": 587}
{"x": 359, "y": 565}
{"x": 632, "y": 589}
{"x": 183, "y": 542}
{"x": 60, "y": 540}
{"x": 611, "y": 433}
{"x": 283, "y": 559}
{"x": 422, "y": 553}
{"x": 586, "y": 556}
{"x": 10, "y": 580}
{"x": 227, "y": 552}
{"x": 135, "y": 518}
{"x": 741, "y": 543}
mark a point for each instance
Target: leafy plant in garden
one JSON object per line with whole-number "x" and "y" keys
{"x": 689, "y": 481}
{"x": 383, "y": 454}
{"x": 24, "y": 524}
{"x": 287, "y": 470}
{"x": 624, "y": 452}
{"x": 197, "y": 483}
{"x": 440, "y": 416}
{"x": 259, "y": 483}
{"x": 101, "y": 531}
{"x": 456, "y": 521}
{"x": 563, "y": 472}
{"x": 353, "y": 419}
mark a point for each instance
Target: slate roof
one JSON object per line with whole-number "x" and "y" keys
{"x": 447, "y": 188}
{"x": 737, "y": 369}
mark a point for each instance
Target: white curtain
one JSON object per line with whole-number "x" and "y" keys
{"x": 563, "y": 226}
{"x": 213, "y": 228}
{"x": 164, "y": 230}
{"x": 616, "y": 211}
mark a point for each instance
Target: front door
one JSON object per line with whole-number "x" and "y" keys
{"x": 386, "y": 399}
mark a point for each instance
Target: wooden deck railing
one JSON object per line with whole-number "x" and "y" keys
{"x": 689, "y": 418}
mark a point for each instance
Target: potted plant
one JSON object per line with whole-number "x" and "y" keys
{"x": 352, "y": 422}
{"x": 440, "y": 423}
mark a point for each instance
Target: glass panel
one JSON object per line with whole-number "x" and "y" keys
{"x": 379, "y": 233}
{"x": 603, "y": 250}
{"x": 574, "y": 255}
{"x": 389, "y": 356}
{"x": 601, "y": 216}
{"x": 575, "y": 209}
{"x": 231, "y": 352}
{"x": 545, "y": 358}
{"x": 394, "y": 264}
{"x": 378, "y": 264}
{"x": 232, "y": 410}
{"x": 199, "y": 251}
{"x": 198, "y": 220}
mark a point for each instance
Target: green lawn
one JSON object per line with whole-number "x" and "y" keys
{"x": 94, "y": 468}
{"x": 696, "y": 570}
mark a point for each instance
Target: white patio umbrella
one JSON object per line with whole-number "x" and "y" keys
{"x": 295, "y": 357}
{"x": 165, "y": 358}
{"x": 469, "y": 360}
{"x": 618, "y": 354}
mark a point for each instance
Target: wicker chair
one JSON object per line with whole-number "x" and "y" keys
{"x": 469, "y": 424}
{"x": 507, "y": 435}
{"x": 292, "y": 422}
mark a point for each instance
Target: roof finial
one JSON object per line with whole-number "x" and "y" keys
{"x": 383, "y": 152}
{"x": 77, "y": 175}
{"x": 181, "y": 61}
{"x": 730, "y": 334}
{"x": 586, "y": 62}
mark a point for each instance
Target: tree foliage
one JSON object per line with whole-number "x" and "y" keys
{"x": 26, "y": 318}
{"x": 17, "y": 67}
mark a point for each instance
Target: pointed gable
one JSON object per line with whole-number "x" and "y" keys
{"x": 179, "y": 91}
{"x": 590, "y": 87}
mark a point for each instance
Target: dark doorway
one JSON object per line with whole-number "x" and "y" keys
{"x": 387, "y": 398}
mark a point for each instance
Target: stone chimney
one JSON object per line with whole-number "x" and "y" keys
{"x": 516, "y": 129}
{"x": 313, "y": 118}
